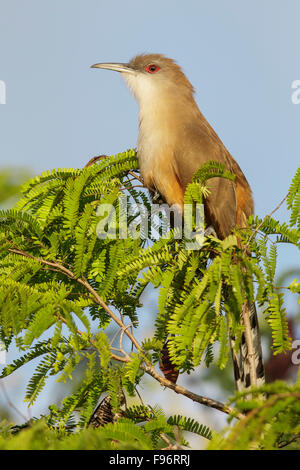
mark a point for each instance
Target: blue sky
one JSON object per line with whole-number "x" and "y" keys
{"x": 241, "y": 57}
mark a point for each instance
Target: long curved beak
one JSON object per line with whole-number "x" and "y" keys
{"x": 114, "y": 66}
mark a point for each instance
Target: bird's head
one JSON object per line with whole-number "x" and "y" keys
{"x": 150, "y": 75}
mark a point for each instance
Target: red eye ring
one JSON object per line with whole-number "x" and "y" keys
{"x": 152, "y": 68}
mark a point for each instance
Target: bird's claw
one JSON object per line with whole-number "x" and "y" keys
{"x": 210, "y": 232}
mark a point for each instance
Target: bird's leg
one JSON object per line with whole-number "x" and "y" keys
{"x": 156, "y": 196}
{"x": 210, "y": 232}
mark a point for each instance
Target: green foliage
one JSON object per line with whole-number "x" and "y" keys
{"x": 38, "y": 436}
{"x": 293, "y": 200}
{"x": 189, "y": 424}
{"x": 123, "y": 435}
{"x": 270, "y": 424}
{"x": 67, "y": 272}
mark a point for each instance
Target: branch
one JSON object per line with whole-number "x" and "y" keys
{"x": 288, "y": 442}
{"x": 94, "y": 160}
{"x": 266, "y": 218}
{"x": 191, "y": 395}
{"x": 139, "y": 178}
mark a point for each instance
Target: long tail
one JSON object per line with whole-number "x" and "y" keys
{"x": 248, "y": 362}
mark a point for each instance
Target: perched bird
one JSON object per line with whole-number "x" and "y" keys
{"x": 174, "y": 141}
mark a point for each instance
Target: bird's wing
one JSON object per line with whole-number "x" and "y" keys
{"x": 221, "y": 204}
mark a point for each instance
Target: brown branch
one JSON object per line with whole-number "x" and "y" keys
{"x": 94, "y": 160}
{"x": 191, "y": 395}
{"x": 286, "y": 443}
{"x": 137, "y": 177}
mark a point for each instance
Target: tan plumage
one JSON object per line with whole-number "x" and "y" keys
{"x": 175, "y": 139}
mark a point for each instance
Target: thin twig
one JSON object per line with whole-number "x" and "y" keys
{"x": 266, "y": 218}
{"x": 286, "y": 443}
{"x": 115, "y": 336}
{"x": 138, "y": 394}
{"x": 137, "y": 177}
{"x": 114, "y": 356}
{"x": 122, "y": 334}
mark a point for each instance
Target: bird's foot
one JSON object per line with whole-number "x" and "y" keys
{"x": 210, "y": 232}
{"x": 156, "y": 196}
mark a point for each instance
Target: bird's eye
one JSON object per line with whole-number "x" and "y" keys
{"x": 152, "y": 68}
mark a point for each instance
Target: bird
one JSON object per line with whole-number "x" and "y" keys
{"x": 174, "y": 141}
